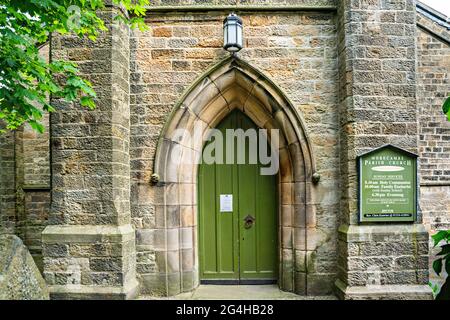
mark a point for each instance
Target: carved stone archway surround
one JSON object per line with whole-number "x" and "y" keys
{"x": 232, "y": 84}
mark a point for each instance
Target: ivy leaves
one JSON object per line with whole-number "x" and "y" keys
{"x": 136, "y": 8}
{"x": 26, "y": 79}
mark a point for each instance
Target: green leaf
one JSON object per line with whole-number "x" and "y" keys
{"x": 434, "y": 288}
{"x": 70, "y": 68}
{"x": 36, "y": 126}
{"x": 36, "y": 113}
{"x": 441, "y": 235}
{"x": 87, "y": 102}
{"x": 10, "y": 62}
{"x": 437, "y": 266}
{"x": 445, "y": 249}
{"x": 446, "y": 108}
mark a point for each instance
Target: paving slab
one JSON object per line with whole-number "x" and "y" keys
{"x": 239, "y": 292}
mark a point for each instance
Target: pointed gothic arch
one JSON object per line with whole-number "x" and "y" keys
{"x": 231, "y": 84}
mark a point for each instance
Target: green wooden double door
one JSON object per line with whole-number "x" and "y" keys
{"x": 237, "y": 216}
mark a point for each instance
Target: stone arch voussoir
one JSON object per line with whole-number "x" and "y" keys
{"x": 232, "y": 84}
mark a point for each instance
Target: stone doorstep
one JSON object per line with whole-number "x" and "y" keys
{"x": 68, "y": 292}
{"x": 87, "y": 234}
{"x": 404, "y": 292}
{"x": 237, "y": 292}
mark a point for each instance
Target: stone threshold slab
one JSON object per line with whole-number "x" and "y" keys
{"x": 238, "y": 292}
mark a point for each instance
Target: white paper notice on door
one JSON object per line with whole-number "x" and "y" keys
{"x": 226, "y": 203}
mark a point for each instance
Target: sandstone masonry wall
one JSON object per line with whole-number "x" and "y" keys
{"x": 386, "y": 96}
{"x": 7, "y": 183}
{"x": 433, "y": 88}
{"x": 89, "y": 240}
{"x": 433, "y": 50}
{"x": 32, "y": 183}
{"x": 297, "y": 50}
{"x": 36, "y": 156}
{"x": 377, "y": 50}
{"x": 244, "y": 2}
{"x": 25, "y": 166}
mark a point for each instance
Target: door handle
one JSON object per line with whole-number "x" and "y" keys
{"x": 248, "y": 221}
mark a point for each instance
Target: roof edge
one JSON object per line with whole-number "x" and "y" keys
{"x": 433, "y": 14}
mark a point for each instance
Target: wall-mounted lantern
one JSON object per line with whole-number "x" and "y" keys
{"x": 232, "y": 33}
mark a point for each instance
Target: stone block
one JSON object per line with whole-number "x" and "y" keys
{"x": 384, "y": 292}
{"x": 20, "y": 278}
{"x": 320, "y": 284}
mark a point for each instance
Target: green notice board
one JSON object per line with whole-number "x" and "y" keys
{"x": 388, "y": 185}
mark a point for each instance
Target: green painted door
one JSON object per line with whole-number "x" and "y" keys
{"x": 237, "y": 243}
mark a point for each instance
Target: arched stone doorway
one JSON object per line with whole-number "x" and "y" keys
{"x": 232, "y": 84}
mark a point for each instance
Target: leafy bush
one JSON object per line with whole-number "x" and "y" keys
{"x": 26, "y": 79}
{"x": 442, "y": 238}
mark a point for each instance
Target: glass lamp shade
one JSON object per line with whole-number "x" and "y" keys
{"x": 232, "y": 33}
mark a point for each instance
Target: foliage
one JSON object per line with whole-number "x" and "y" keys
{"x": 26, "y": 79}
{"x": 446, "y": 108}
{"x": 443, "y": 261}
{"x": 434, "y": 288}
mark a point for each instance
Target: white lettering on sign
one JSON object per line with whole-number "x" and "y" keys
{"x": 226, "y": 203}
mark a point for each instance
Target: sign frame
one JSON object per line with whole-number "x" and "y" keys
{"x": 414, "y": 157}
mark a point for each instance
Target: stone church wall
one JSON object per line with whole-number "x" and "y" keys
{"x": 433, "y": 50}
{"x": 297, "y": 50}
{"x": 434, "y": 146}
{"x": 30, "y": 182}
{"x": 243, "y": 3}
